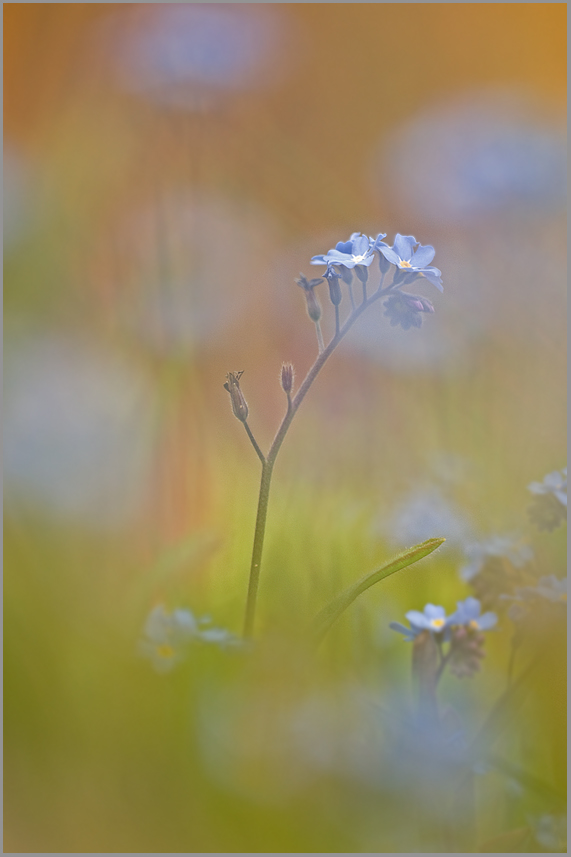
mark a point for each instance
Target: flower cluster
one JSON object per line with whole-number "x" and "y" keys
{"x": 409, "y": 260}
{"x": 549, "y": 507}
{"x": 167, "y": 634}
{"x": 462, "y": 630}
{"x": 496, "y": 566}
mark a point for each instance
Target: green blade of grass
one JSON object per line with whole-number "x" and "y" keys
{"x": 332, "y": 611}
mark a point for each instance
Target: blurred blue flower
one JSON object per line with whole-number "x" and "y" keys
{"x": 424, "y": 514}
{"x": 551, "y": 832}
{"x": 551, "y": 588}
{"x": 167, "y": 634}
{"x": 468, "y": 613}
{"x": 433, "y": 619}
{"x": 549, "y": 506}
{"x": 508, "y": 547}
{"x": 186, "y": 55}
{"x": 554, "y": 483}
{"x": 483, "y": 153}
{"x": 412, "y": 260}
{"x": 406, "y": 310}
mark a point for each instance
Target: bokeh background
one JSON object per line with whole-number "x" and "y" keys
{"x": 169, "y": 169}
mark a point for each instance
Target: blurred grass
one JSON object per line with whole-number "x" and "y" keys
{"x": 101, "y": 753}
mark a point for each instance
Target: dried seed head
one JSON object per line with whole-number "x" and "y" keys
{"x": 287, "y": 378}
{"x": 239, "y": 405}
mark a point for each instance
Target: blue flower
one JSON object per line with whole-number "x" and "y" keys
{"x": 468, "y": 613}
{"x": 406, "y": 310}
{"x": 165, "y": 635}
{"x": 549, "y": 507}
{"x": 355, "y": 253}
{"x": 433, "y": 619}
{"x": 551, "y": 588}
{"x": 412, "y": 260}
{"x": 554, "y": 483}
{"x": 479, "y": 553}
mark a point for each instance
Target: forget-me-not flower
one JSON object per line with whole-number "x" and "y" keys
{"x": 468, "y": 613}
{"x": 412, "y": 259}
{"x": 433, "y": 618}
{"x": 479, "y": 553}
{"x": 549, "y": 506}
{"x": 356, "y": 253}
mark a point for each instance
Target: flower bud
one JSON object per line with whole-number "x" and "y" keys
{"x": 313, "y": 306}
{"x": 335, "y": 293}
{"x": 239, "y": 405}
{"x": 287, "y": 378}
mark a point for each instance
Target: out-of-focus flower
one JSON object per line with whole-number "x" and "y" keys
{"x": 551, "y": 832}
{"x": 468, "y": 613}
{"x": 549, "y": 507}
{"x": 485, "y": 153}
{"x": 188, "y": 56}
{"x": 412, "y": 260}
{"x": 424, "y": 514}
{"x": 529, "y": 600}
{"x": 406, "y": 310}
{"x": 433, "y": 618}
{"x": 356, "y": 253}
{"x": 77, "y": 442}
{"x": 506, "y": 547}
{"x": 466, "y": 651}
{"x": 167, "y": 634}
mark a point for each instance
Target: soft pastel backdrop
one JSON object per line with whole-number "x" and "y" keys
{"x": 169, "y": 170}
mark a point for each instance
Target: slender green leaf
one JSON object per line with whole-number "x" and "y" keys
{"x": 332, "y": 611}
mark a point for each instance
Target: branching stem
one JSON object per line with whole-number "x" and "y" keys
{"x": 269, "y": 461}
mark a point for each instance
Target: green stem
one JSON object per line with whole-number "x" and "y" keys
{"x": 268, "y": 463}
{"x": 259, "y": 452}
{"x": 258, "y": 547}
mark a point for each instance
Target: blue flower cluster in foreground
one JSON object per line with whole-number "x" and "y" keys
{"x": 409, "y": 260}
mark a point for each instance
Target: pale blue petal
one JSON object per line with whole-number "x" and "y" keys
{"x": 404, "y": 246}
{"x": 423, "y": 256}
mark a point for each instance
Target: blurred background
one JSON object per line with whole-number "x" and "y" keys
{"x": 168, "y": 171}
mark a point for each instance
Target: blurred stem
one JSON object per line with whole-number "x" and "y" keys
{"x": 268, "y": 463}
{"x": 364, "y": 292}
{"x": 320, "y": 342}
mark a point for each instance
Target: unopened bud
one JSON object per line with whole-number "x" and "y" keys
{"x": 237, "y": 399}
{"x": 335, "y": 292}
{"x": 287, "y": 378}
{"x": 313, "y": 306}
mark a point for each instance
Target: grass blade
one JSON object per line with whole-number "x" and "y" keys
{"x": 332, "y": 611}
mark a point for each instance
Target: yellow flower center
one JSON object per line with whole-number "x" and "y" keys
{"x": 473, "y": 625}
{"x": 165, "y": 650}
{"x": 437, "y": 623}
{"x": 404, "y": 264}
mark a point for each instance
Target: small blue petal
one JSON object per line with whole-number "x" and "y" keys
{"x": 423, "y": 256}
{"x": 404, "y": 246}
